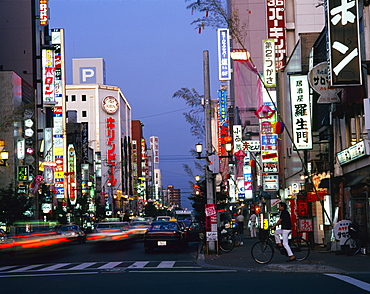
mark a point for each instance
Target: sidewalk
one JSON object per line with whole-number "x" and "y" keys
{"x": 320, "y": 261}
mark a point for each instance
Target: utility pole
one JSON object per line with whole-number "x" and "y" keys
{"x": 208, "y": 114}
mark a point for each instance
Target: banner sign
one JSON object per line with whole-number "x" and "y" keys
{"x": 276, "y": 29}
{"x": 224, "y": 65}
{"x": 344, "y": 44}
{"x": 301, "y": 111}
{"x": 269, "y": 66}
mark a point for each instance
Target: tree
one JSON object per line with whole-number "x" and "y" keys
{"x": 150, "y": 209}
{"x": 13, "y": 206}
{"x": 219, "y": 14}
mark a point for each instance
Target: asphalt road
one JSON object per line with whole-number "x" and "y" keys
{"x": 83, "y": 269}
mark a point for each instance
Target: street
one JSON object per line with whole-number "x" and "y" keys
{"x": 83, "y": 269}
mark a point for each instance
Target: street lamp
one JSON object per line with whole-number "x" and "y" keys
{"x": 199, "y": 149}
{"x": 197, "y": 178}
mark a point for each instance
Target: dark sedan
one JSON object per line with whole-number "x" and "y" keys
{"x": 164, "y": 234}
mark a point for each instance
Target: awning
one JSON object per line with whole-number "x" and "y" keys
{"x": 358, "y": 180}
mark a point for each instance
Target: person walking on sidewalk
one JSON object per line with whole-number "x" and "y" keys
{"x": 240, "y": 222}
{"x": 253, "y": 223}
{"x": 286, "y": 228}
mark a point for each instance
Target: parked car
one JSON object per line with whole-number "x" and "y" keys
{"x": 73, "y": 233}
{"x": 164, "y": 234}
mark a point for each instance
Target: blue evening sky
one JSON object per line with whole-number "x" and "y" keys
{"x": 151, "y": 51}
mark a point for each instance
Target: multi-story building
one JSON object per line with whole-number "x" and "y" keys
{"x": 174, "y": 196}
{"x": 106, "y": 116}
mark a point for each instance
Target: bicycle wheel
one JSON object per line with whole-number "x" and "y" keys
{"x": 226, "y": 243}
{"x": 351, "y": 247}
{"x": 262, "y": 252}
{"x": 300, "y": 248}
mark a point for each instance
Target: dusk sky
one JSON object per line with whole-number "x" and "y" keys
{"x": 151, "y": 51}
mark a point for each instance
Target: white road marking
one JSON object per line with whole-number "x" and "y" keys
{"x": 4, "y": 268}
{"x": 110, "y": 265}
{"x": 53, "y": 267}
{"x": 138, "y": 264}
{"x": 166, "y": 264}
{"x": 352, "y": 281}
{"x": 26, "y": 268}
{"x": 81, "y": 266}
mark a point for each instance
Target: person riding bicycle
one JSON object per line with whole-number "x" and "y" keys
{"x": 286, "y": 228}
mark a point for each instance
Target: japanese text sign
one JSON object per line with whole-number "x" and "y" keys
{"x": 224, "y": 68}
{"x": 276, "y": 29}
{"x": 269, "y": 66}
{"x": 344, "y": 47}
{"x": 301, "y": 111}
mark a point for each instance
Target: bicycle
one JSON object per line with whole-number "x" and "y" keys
{"x": 226, "y": 240}
{"x": 263, "y": 251}
{"x": 355, "y": 241}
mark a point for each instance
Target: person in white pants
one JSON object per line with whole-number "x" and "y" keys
{"x": 253, "y": 221}
{"x": 286, "y": 228}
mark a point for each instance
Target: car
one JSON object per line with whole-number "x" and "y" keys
{"x": 140, "y": 227}
{"x": 104, "y": 227}
{"x": 164, "y": 234}
{"x": 112, "y": 232}
{"x": 163, "y": 218}
{"x": 72, "y": 233}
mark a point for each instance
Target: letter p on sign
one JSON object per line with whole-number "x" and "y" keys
{"x": 87, "y": 75}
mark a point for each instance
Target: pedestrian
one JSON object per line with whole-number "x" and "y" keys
{"x": 252, "y": 225}
{"x": 240, "y": 222}
{"x": 286, "y": 228}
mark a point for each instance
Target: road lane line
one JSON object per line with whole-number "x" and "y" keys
{"x": 53, "y": 267}
{"x": 138, "y": 264}
{"x": 166, "y": 264}
{"x": 352, "y": 281}
{"x": 81, "y": 266}
{"x": 110, "y": 265}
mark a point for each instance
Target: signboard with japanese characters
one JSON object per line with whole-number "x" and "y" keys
{"x": 341, "y": 231}
{"x": 252, "y": 146}
{"x": 270, "y": 167}
{"x": 237, "y": 137}
{"x": 270, "y": 183}
{"x": 247, "y": 170}
{"x": 269, "y": 71}
{"x": 301, "y": 111}
{"x": 211, "y": 222}
{"x": 305, "y": 225}
{"x": 224, "y": 65}
{"x": 344, "y": 44}
{"x": 318, "y": 79}
{"x": 154, "y": 145}
{"x": 276, "y": 29}
{"x": 358, "y": 150}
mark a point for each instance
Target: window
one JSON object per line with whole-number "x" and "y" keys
{"x": 73, "y": 97}
{"x": 84, "y": 113}
{"x": 83, "y": 97}
{"x": 66, "y": 98}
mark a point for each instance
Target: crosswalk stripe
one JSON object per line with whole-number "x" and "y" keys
{"x": 26, "y": 268}
{"x": 110, "y": 265}
{"x": 138, "y": 264}
{"x": 4, "y": 268}
{"x": 166, "y": 264}
{"x": 53, "y": 267}
{"x": 82, "y": 266}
